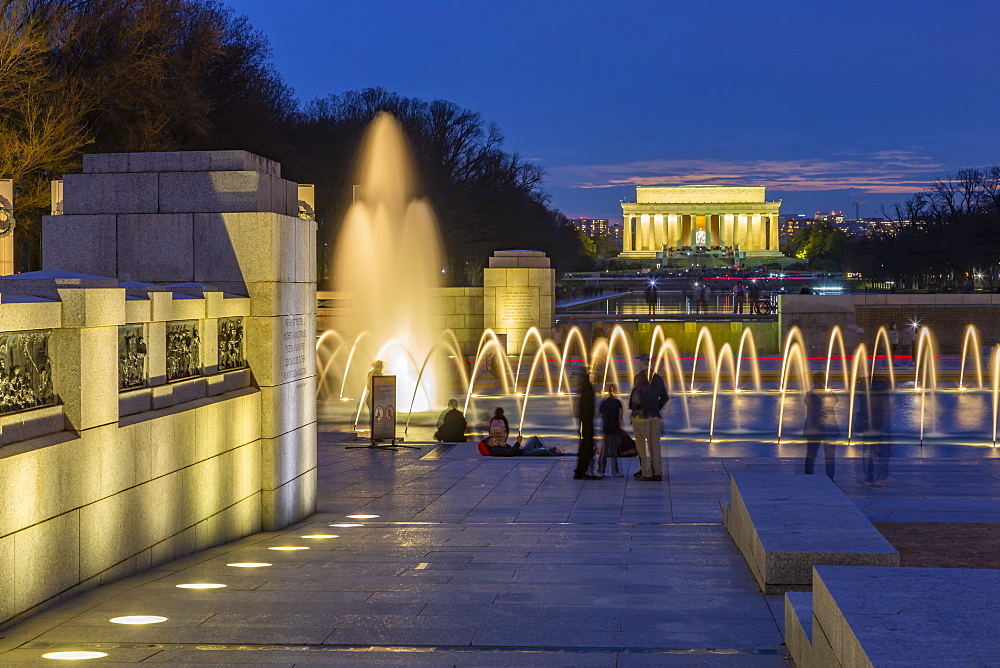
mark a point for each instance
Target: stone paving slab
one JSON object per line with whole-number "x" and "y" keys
{"x": 480, "y": 561}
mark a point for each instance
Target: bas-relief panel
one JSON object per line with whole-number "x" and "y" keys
{"x": 25, "y": 371}
{"x": 183, "y": 350}
{"x": 131, "y": 357}
{"x": 231, "y": 350}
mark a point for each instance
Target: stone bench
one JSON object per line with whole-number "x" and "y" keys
{"x": 784, "y": 524}
{"x": 877, "y": 616}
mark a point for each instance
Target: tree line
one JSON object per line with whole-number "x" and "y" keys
{"x": 108, "y": 76}
{"x": 945, "y": 236}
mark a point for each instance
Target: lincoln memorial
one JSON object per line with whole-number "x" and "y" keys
{"x": 665, "y": 218}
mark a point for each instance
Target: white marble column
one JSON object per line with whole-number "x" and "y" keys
{"x": 673, "y": 229}
{"x": 659, "y": 232}
{"x": 627, "y": 233}
{"x": 726, "y": 227}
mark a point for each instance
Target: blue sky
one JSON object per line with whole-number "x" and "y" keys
{"x": 824, "y": 103}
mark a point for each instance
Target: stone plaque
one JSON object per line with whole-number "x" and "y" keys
{"x": 231, "y": 355}
{"x": 517, "y": 307}
{"x": 183, "y": 350}
{"x": 131, "y": 356}
{"x": 25, "y": 371}
{"x": 294, "y": 336}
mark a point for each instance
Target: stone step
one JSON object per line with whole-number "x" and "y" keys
{"x": 784, "y": 524}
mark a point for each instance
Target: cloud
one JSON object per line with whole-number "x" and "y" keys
{"x": 891, "y": 171}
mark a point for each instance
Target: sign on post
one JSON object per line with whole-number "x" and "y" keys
{"x": 383, "y": 413}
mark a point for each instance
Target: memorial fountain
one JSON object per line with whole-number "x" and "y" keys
{"x": 388, "y": 267}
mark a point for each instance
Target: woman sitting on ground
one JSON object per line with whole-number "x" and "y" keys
{"x": 451, "y": 425}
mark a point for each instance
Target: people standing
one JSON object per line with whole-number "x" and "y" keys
{"x": 649, "y": 396}
{"x": 874, "y": 426}
{"x": 821, "y": 427}
{"x": 611, "y": 426}
{"x": 585, "y": 413}
{"x": 753, "y": 292}
{"x": 892, "y": 335}
{"x": 739, "y": 297}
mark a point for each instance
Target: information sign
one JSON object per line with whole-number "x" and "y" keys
{"x": 383, "y": 414}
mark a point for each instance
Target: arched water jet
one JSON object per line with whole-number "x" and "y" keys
{"x": 573, "y": 334}
{"x": 532, "y": 333}
{"x": 725, "y": 356}
{"x": 549, "y": 345}
{"x": 658, "y": 335}
{"x": 456, "y": 353}
{"x": 618, "y": 334}
{"x": 970, "y": 348}
{"x": 489, "y": 340}
{"x": 883, "y": 336}
{"x": 859, "y": 362}
{"x": 995, "y": 389}
{"x": 836, "y": 338}
{"x": 925, "y": 375}
{"x": 794, "y": 354}
{"x": 747, "y": 341}
{"x": 325, "y": 360}
{"x": 669, "y": 352}
{"x": 704, "y": 338}
{"x": 793, "y": 337}
{"x": 350, "y": 359}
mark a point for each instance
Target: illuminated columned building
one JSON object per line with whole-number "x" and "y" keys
{"x": 672, "y": 217}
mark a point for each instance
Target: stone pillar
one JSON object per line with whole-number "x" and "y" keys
{"x": 727, "y": 229}
{"x": 673, "y": 229}
{"x": 7, "y": 242}
{"x": 687, "y": 223}
{"x": 518, "y": 294}
{"x": 627, "y": 233}
{"x": 225, "y": 219}
{"x": 659, "y": 232}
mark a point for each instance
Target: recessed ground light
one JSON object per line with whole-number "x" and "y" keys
{"x": 249, "y": 564}
{"x": 362, "y": 517}
{"x": 345, "y": 526}
{"x": 200, "y": 585}
{"x": 73, "y": 656}
{"x": 321, "y": 535}
{"x": 138, "y": 619}
{"x": 288, "y": 548}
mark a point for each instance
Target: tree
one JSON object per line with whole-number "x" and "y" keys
{"x": 121, "y": 76}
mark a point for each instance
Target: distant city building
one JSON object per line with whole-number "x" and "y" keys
{"x": 592, "y": 227}
{"x": 673, "y": 217}
{"x": 790, "y": 224}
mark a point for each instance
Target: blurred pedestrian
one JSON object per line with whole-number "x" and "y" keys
{"x": 585, "y": 414}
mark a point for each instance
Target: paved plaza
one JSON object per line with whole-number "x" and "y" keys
{"x": 486, "y": 561}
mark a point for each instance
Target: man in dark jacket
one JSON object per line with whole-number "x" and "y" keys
{"x": 649, "y": 396}
{"x": 585, "y": 413}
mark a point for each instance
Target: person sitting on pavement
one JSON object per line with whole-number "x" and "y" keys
{"x": 451, "y": 425}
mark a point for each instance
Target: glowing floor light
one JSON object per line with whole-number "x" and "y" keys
{"x": 73, "y": 656}
{"x": 362, "y": 517}
{"x": 345, "y": 526}
{"x": 288, "y": 548}
{"x": 321, "y": 535}
{"x": 249, "y": 564}
{"x": 138, "y": 619}
{"x": 200, "y": 585}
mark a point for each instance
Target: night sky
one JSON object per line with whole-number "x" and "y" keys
{"x": 824, "y": 103}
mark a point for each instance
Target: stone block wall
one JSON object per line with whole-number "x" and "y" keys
{"x": 105, "y": 482}
{"x": 946, "y": 314}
